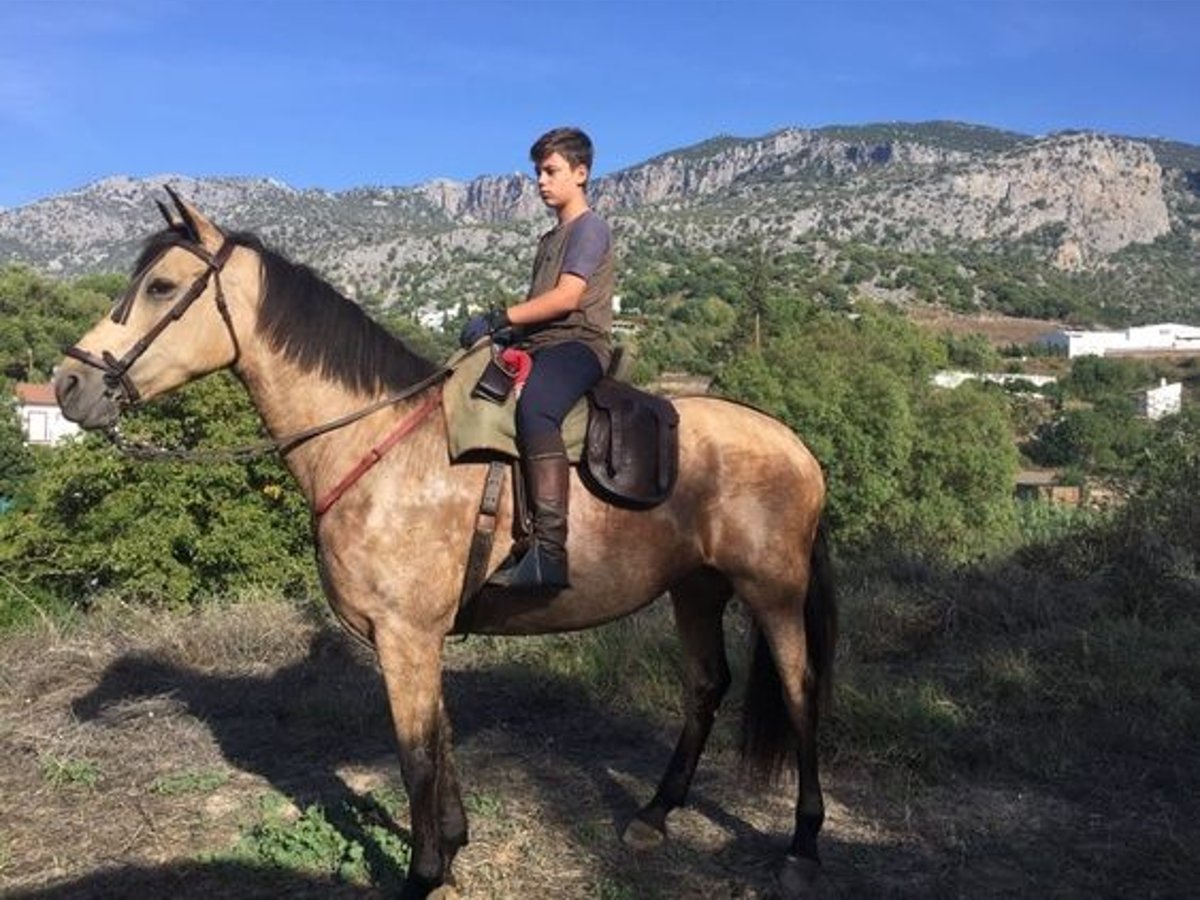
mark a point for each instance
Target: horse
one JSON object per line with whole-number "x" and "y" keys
{"x": 745, "y": 519}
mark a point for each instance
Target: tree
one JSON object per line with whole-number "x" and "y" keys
{"x": 39, "y": 317}
{"x": 16, "y": 461}
{"x": 169, "y": 534}
{"x": 972, "y": 352}
{"x": 1107, "y": 439}
{"x": 960, "y": 483}
{"x": 1098, "y": 377}
{"x": 903, "y": 462}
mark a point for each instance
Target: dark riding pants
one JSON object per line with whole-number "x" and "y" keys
{"x": 561, "y": 374}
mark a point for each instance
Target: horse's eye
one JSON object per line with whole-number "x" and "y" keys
{"x": 160, "y": 287}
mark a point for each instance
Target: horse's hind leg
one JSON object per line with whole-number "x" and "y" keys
{"x": 699, "y": 603}
{"x": 787, "y": 657}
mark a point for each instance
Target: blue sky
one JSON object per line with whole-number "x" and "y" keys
{"x": 337, "y": 94}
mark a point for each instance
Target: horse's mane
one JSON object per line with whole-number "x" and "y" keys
{"x": 306, "y": 320}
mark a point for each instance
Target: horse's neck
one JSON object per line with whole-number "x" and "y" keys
{"x": 291, "y": 400}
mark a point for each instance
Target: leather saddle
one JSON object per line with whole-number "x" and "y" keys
{"x": 631, "y": 454}
{"x": 625, "y": 441}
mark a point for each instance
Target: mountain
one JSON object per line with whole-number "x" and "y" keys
{"x": 1076, "y": 202}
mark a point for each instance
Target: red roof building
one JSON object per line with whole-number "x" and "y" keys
{"x": 41, "y": 419}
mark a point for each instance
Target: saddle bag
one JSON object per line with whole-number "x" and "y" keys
{"x": 631, "y": 456}
{"x": 495, "y": 383}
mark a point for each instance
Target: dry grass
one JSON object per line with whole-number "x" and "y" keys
{"x": 139, "y": 747}
{"x": 1000, "y": 330}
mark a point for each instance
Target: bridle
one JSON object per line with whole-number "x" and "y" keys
{"x": 116, "y": 371}
{"x": 116, "y": 378}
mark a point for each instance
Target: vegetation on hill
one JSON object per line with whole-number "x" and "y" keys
{"x": 908, "y": 464}
{"x": 987, "y": 653}
{"x": 40, "y": 316}
{"x": 948, "y": 135}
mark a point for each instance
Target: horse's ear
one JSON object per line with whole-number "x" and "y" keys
{"x": 204, "y": 232}
{"x": 172, "y": 222}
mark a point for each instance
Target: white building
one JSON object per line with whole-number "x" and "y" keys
{"x": 951, "y": 378}
{"x": 41, "y": 419}
{"x": 1141, "y": 339}
{"x": 1164, "y": 400}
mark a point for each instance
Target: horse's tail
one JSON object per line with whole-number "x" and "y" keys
{"x": 768, "y": 736}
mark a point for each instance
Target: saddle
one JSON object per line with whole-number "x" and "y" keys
{"x": 631, "y": 453}
{"x": 624, "y": 441}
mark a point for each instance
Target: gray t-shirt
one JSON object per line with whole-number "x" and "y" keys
{"x": 581, "y": 247}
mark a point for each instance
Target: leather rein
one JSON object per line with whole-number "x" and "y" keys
{"x": 118, "y": 382}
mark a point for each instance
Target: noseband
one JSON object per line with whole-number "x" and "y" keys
{"x": 116, "y": 371}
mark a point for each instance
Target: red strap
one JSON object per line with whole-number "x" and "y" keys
{"x": 376, "y": 453}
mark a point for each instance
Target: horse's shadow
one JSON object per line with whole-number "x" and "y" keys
{"x": 296, "y": 726}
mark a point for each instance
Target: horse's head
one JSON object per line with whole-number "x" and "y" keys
{"x": 175, "y": 324}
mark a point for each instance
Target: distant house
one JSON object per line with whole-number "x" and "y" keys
{"x": 1164, "y": 400}
{"x": 1167, "y": 337}
{"x": 1044, "y": 485}
{"x": 952, "y": 378}
{"x": 41, "y": 419}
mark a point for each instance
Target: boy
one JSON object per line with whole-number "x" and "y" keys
{"x": 566, "y": 324}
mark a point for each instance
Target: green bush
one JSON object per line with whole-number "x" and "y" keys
{"x": 164, "y": 533}
{"x": 904, "y": 461}
{"x": 16, "y": 459}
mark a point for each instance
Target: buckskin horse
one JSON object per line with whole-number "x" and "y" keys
{"x": 744, "y": 519}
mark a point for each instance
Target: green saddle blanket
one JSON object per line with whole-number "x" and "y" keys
{"x": 475, "y": 425}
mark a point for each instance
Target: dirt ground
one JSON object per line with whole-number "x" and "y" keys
{"x": 271, "y": 702}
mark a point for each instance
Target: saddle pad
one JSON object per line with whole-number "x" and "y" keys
{"x": 474, "y": 424}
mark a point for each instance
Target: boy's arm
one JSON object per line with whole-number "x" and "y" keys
{"x": 558, "y": 301}
{"x": 564, "y": 297}
{"x": 587, "y": 245}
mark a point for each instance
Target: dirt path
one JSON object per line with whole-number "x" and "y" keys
{"x": 129, "y": 756}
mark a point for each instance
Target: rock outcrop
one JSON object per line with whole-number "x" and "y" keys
{"x": 1078, "y": 198}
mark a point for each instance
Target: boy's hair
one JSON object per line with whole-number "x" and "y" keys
{"x": 572, "y": 143}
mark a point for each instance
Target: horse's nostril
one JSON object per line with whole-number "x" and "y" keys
{"x": 65, "y": 385}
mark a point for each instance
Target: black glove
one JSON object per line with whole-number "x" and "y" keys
{"x": 480, "y": 325}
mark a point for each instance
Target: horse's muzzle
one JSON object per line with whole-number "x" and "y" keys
{"x": 85, "y": 397}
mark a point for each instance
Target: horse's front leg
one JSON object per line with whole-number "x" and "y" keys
{"x": 411, "y": 660}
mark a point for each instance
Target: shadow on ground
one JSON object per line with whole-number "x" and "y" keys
{"x": 297, "y": 726}
{"x": 193, "y": 880}
{"x": 582, "y": 764}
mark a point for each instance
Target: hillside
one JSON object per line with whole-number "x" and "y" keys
{"x": 1122, "y": 215}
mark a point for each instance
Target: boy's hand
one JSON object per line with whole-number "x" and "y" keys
{"x": 480, "y": 325}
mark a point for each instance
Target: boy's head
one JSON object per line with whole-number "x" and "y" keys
{"x": 570, "y": 143}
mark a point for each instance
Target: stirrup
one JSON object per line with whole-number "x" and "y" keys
{"x": 538, "y": 569}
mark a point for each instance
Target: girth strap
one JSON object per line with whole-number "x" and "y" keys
{"x": 485, "y": 533}
{"x": 376, "y": 453}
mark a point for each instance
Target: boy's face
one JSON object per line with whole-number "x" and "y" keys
{"x": 558, "y": 182}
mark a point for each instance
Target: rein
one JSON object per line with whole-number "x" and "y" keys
{"x": 282, "y": 445}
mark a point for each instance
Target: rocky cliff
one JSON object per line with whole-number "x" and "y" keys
{"x": 1078, "y": 198}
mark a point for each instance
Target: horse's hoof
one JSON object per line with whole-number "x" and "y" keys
{"x": 803, "y": 879}
{"x": 415, "y": 890}
{"x": 640, "y": 836}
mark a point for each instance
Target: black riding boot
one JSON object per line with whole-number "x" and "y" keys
{"x": 544, "y": 565}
